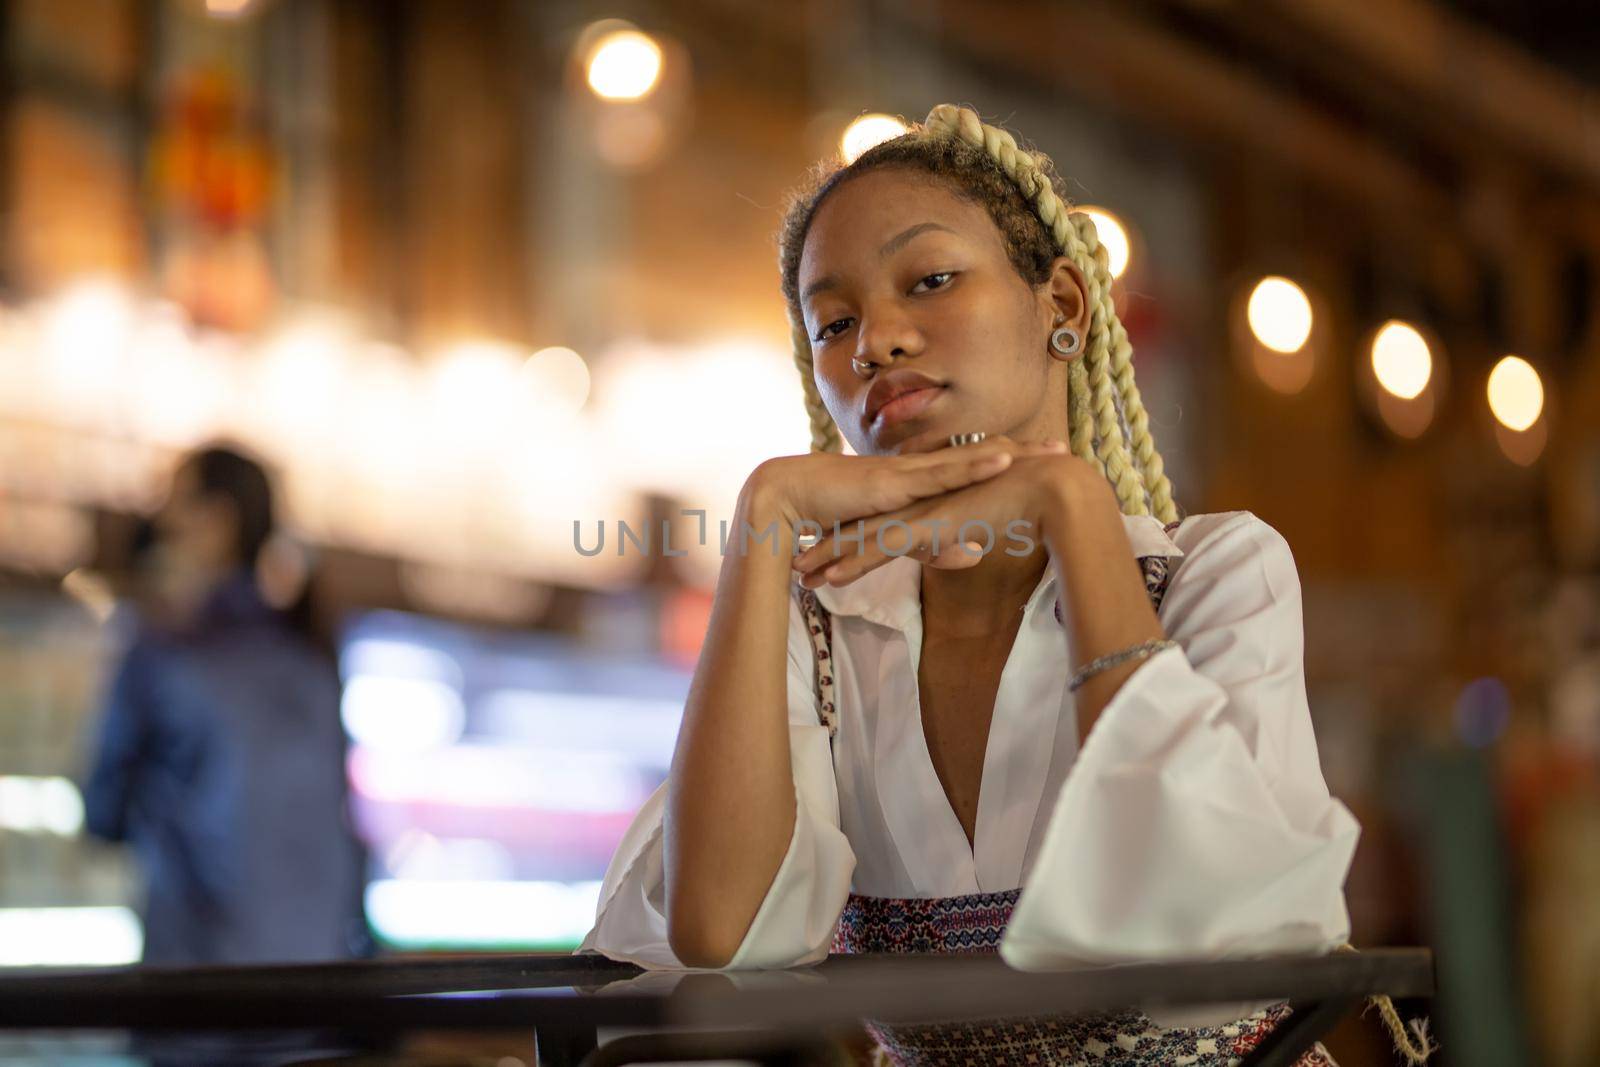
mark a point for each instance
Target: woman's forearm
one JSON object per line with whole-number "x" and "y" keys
{"x": 1103, "y": 599}
{"x": 730, "y": 794}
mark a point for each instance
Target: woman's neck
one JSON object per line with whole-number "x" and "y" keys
{"x": 982, "y": 599}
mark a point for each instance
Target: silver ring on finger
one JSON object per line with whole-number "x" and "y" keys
{"x": 959, "y": 439}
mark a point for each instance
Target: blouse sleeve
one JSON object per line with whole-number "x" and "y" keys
{"x": 1196, "y": 823}
{"x": 795, "y": 922}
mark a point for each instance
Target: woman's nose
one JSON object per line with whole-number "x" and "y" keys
{"x": 886, "y": 337}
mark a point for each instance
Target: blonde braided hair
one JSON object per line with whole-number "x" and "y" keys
{"x": 824, "y": 433}
{"x": 976, "y": 160}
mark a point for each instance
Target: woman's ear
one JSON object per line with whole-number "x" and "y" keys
{"x": 1066, "y": 297}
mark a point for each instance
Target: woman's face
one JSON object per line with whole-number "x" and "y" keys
{"x": 198, "y": 532}
{"x": 901, "y": 273}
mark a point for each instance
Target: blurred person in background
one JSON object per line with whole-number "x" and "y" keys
{"x": 220, "y": 755}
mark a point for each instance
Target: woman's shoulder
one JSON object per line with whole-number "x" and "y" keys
{"x": 1198, "y": 527}
{"x": 1229, "y": 540}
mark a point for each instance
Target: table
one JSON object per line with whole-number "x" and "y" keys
{"x": 563, "y": 999}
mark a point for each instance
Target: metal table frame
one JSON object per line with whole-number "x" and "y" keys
{"x": 773, "y": 1016}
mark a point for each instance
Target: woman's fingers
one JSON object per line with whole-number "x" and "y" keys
{"x": 958, "y": 471}
{"x": 866, "y": 544}
{"x": 958, "y": 556}
{"x": 825, "y": 489}
{"x": 852, "y": 547}
{"x": 927, "y": 545}
{"x": 904, "y": 480}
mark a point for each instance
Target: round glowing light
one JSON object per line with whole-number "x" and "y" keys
{"x": 1401, "y": 360}
{"x": 560, "y": 376}
{"x": 1516, "y": 395}
{"x": 867, "y": 131}
{"x": 624, "y": 65}
{"x": 473, "y": 387}
{"x": 296, "y": 382}
{"x": 86, "y": 328}
{"x": 1113, "y": 235}
{"x": 1280, "y": 314}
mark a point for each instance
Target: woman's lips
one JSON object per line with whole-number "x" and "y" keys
{"x": 907, "y": 406}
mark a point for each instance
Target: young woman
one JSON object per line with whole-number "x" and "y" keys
{"x": 1029, "y": 709}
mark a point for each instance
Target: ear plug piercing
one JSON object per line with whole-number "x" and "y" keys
{"x": 1066, "y": 341}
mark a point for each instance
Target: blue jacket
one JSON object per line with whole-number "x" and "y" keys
{"x": 221, "y": 760}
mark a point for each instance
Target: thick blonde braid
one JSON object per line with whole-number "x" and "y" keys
{"x": 825, "y": 435}
{"x": 1145, "y": 456}
{"x": 1113, "y": 450}
{"x": 1080, "y": 422}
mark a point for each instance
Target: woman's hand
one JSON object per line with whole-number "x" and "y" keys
{"x": 999, "y": 512}
{"x": 825, "y": 488}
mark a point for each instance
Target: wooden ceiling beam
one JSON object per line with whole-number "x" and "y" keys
{"x": 1119, "y": 59}
{"x": 1106, "y": 53}
{"x": 1462, "y": 86}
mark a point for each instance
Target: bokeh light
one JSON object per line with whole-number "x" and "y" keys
{"x": 1280, "y": 314}
{"x": 866, "y": 131}
{"x": 473, "y": 391}
{"x": 1114, "y": 236}
{"x": 559, "y": 377}
{"x": 294, "y": 387}
{"x": 85, "y": 335}
{"x": 1401, "y": 360}
{"x": 1516, "y": 395}
{"x": 624, "y": 65}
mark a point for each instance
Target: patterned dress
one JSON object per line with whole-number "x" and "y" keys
{"x": 976, "y": 923}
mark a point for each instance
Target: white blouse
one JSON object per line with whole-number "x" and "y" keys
{"x": 1194, "y": 824}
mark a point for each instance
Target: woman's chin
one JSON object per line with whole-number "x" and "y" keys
{"x": 908, "y": 437}
{"x": 924, "y": 440}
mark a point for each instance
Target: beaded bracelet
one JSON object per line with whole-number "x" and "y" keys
{"x": 1106, "y": 662}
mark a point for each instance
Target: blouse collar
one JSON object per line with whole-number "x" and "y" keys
{"x": 891, "y": 595}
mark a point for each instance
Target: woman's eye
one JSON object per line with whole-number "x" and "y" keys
{"x": 942, "y": 274}
{"x": 824, "y": 335}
